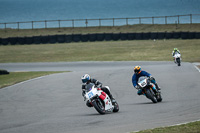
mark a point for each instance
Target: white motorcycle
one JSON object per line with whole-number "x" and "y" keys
{"x": 177, "y": 59}
{"x": 99, "y": 99}
{"x": 146, "y": 86}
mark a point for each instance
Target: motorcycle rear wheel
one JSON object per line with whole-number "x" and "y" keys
{"x": 159, "y": 99}
{"x": 116, "y": 107}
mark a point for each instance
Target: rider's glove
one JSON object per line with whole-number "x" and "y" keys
{"x": 83, "y": 92}
{"x": 137, "y": 87}
{"x": 151, "y": 78}
{"x": 84, "y": 98}
{"x": 99, "y": 86}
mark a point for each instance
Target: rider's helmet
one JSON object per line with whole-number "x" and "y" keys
{"x": 175, "y": 49}
{"x": 85, "y": 78}
{"x": 137, "y": 69}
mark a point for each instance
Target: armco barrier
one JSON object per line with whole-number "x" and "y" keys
{"x": 44, "y": 39}
{"x": 176, "y": 35}
{"x": 98, "y": 37}
{"x": 84, "y": 38}
{"x": 146, "y": 36}
{"x": 116, "y": 36}
{"x": 154, "y": 35}
{"x": 52, "y": 39}
{"x": 108, "y": 36}
{"x": 92, "y": 37}
{"x": 77, "y": 37}
{"x": 21, "y": 40}
{"x": 138, "y": 36}
{"x": 184, "y": 35}
{"x": 168, "y": 35}
{"x": 131, "y": 36}
{"x": 36, "y": 40}
{"x": 13, "y": 40}
{"x": 191, "y": 35}
{"x": 29, "y": 40}
{"x": 124, "y": 36}
{"x": 197, "y": 35}
{"x": 5, "y": 41}
{"x": 60, "y": 38}
{"x": 68, "y": 38}
{"x": 161, "y": 35}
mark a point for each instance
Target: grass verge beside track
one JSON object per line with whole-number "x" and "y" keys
{"x": 193, "y": 127}
{"x": 16, "y": 77}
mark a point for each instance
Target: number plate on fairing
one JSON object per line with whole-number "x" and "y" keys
{"x": 90, "y": 94}
{"x": 143, "y": 84}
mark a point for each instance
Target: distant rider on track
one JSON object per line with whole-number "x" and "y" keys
{"x": 137, "y": 74}
{"x": 174, "y": 52}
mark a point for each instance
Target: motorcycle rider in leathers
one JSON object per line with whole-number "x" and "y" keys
{"x": 137, "y": 74}
{"x": 86, "y": 80}
{"x": 174, "y": 52}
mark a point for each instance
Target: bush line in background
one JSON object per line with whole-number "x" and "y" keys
{"x": 98, "y": 37}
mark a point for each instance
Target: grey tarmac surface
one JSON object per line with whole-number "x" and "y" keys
{"x": 54, "y": 104}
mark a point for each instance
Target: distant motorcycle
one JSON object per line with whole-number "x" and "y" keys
{"x": 100, "y": 100}
{"x": 146, "y": 86}
{"x": 177, "y": 59}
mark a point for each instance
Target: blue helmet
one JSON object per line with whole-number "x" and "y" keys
{"x": 85, "y": 78}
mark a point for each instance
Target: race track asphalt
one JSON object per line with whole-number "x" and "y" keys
{"x": 54, "y": 104}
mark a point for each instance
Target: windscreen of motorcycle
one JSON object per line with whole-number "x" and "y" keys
{"x": 89, "y": 87}
{"x": 177, "y": 55}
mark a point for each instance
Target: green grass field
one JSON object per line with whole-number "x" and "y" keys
{"x": 136, "y": 50}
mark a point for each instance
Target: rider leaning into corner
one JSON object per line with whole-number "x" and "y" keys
{"x": 86, "y": 80}
{"x": 137, "y": 74}
{"x": 174, "y": 52}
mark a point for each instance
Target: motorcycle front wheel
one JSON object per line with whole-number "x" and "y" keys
{"x": 151, "y": 96}
{"x": 98, "y": 105}
{"x": 178, "y": 61}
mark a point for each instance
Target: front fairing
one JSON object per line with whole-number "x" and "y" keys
{"x": 143, "y": 81}
{"x": 91, "y": 91}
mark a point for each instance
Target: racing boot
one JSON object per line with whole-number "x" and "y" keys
{"x": 112, "y": 99}
{"x": 89, "y": 104}
{"x": 157, "y": 93}
{"x": 157, "y": 86}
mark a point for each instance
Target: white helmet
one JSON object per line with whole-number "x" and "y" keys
{"x": 85, "y": 78}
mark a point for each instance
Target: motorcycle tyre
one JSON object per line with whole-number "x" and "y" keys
{"x": 151, "y": 96}
{"x": 160, "y": 98}
{"x": 116, "y": 107}
{"x": 178, "y": 61}
{"x": 97, "y": 107}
